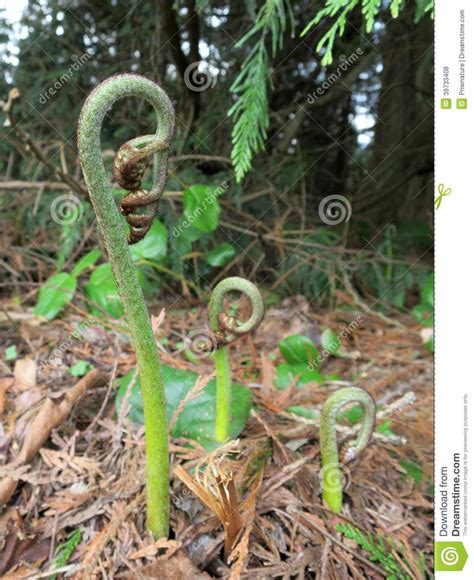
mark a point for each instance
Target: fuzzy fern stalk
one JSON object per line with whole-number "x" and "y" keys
{"x": 333, "y": 476}
{"x": 226, "y": 329}
{"x": 139, "y": 207}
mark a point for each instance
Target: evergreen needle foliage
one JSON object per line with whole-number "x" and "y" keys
{"x": 340, "y": 11}
{"x": 250, "y": 111}
{"x": 377, "y": 550}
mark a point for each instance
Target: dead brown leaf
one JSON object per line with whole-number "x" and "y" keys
{"x": 171, "y": 546}
{"x": 19, "y": 548}
{"x": 51, "y": 415}
{"x": 178, "y": 567}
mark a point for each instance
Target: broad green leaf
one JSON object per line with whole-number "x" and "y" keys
{"x": 197, "y": 419}
{"x": 385, "y": 428}
{"x": 153, "y": 246}
{"x": 220, "y": 255}
{"x": 353, "y": 415}
{"x": 183, "y": 235}
{"x": 102, "y": 290}
{"x": 305, "y": 412}
{"x": 80, "y": 368}
{"x": 286, "y": 374}
{"x": 10, "y": 352}
{"x": 427, "y": 291}
{"x": 272, "y": 298}
{"x": 55, "y": 293}
{"x": 86, "y": 262}
{"x": 423, "y": 313}
{"x": 201, "y": 207}
{"x": 330, "y": 342}
{"x": 297, "y": 349}
{"x": 333, "y": 377}
{"x": 430, "y": 344}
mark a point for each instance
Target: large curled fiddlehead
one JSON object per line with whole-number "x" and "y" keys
{"x": 130, "y": 162}
{"x": 332, "y": 476}
{"x": 226, "y": 329}
{"x": 139, "y": 208}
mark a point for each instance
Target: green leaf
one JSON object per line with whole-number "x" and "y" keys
{"x": 286, "y": 375}
{"x": 385, "y": 428}
{"x": 220, "y": 255}
{"x": 10, "y": 352}
{"x": 184, "y": 234}
{"x": 154, "y": 244}
{"x": 330, "y": 342}
{"x": 80, "y": 368}
{"x": 297, "y": 349}
{"x": 427, "y": 291}
{"x": 272, "y": 298}
{"x": 423, "y": 313}
{"x": 352, "y": 415}
{"x": 305, "y": 412}
{"x": 102, "y": 290}
{"x": 430, "y": 344}
{"x": 412, "y": 469}
{"x": 197, "y": 418}
{"x": 201, "y": 207}
{"x": 55, "y": 293}
{"x": 86, "y": 262}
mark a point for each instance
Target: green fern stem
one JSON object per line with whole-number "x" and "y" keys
{"x": 226, "y": 329}
{"x": 223, "y": 393}
{"x": 129, "y": 167}
{"x": 333, "y": 478}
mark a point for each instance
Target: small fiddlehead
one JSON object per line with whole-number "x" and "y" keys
{"x": 225, "y": 330}
{"x": 228, "y": 328}
{"x": 139, "y": 207}
{"x": 332, "y": 475}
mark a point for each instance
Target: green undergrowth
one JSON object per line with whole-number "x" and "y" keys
{"x": 197, "y": 418}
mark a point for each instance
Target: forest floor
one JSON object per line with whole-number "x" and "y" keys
{"x": 73, "y": 472}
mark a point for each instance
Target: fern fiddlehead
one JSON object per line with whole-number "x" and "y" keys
{"x": 226, "y": 329}
{"x": 332, "y": 476}
{"x": 139, "y": 208}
